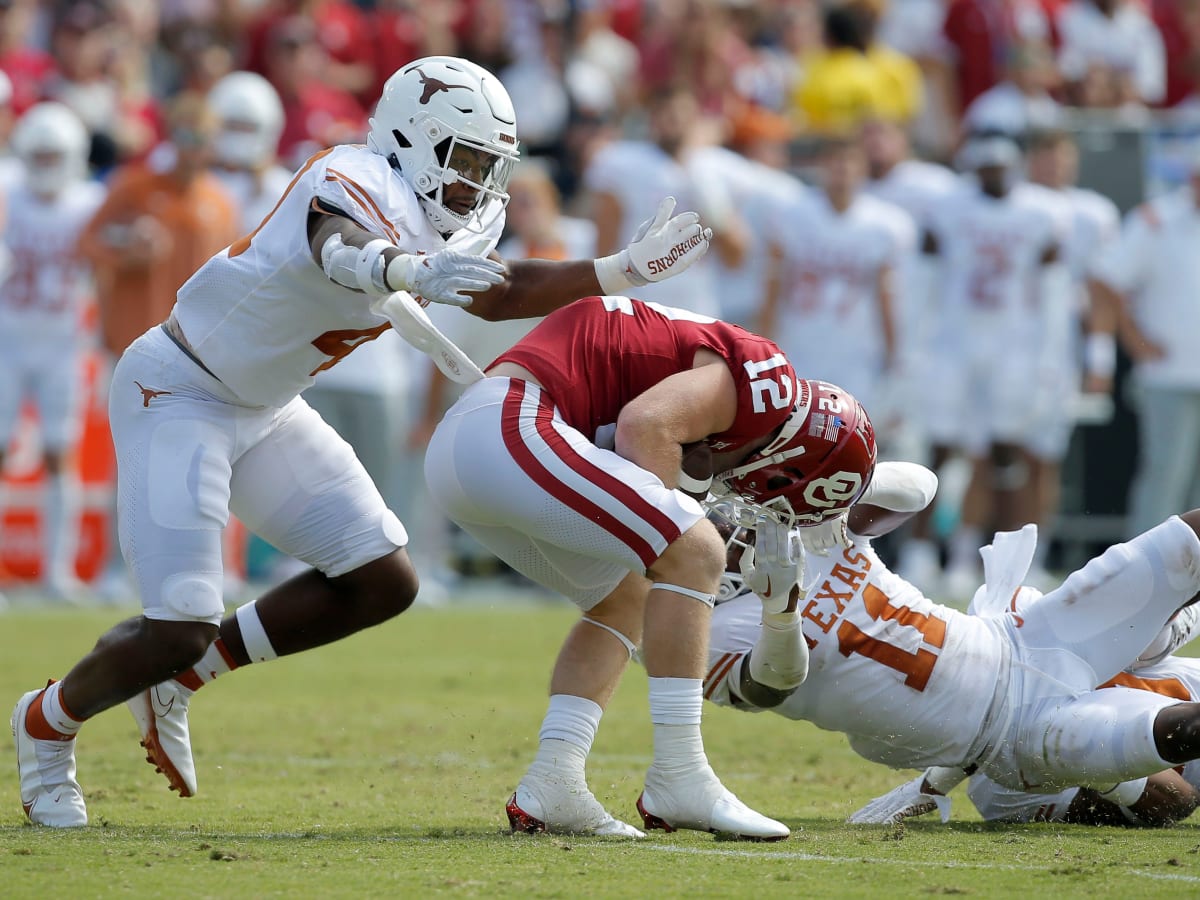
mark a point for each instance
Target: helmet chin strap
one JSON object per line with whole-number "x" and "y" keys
{"x": 759, "y": 462}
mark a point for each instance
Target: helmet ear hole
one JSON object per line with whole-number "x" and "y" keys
{"x": 779, "y": 482}
{"x": 404, "y": 142}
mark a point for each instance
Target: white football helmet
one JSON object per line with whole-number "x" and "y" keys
{"x": 734, "y": 522}
{"x": 53, "y": 144}
{"x": 426, "y": 110}
{"x": 251, "y": 120}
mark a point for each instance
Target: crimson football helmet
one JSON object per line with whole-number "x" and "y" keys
{"x": 817, "y": 466}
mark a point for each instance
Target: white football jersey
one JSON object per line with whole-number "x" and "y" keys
{"x": 263, "y": 316}
{"x": 255, "y": 195}
{"x": 48, "y": 283}
{"x": 1175, "y": 677}
{"x": 639, "y": 174}
{"x": 828, "y": 320}
{"x": 992, "y": 252}
{"x": 883, "y": 660}
{"x": 757, "y": 191}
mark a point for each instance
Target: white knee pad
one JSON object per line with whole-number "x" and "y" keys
{"x": 193, "y": 596}
{"x": 708, "y": 600}
{"x": 629, "y": 645}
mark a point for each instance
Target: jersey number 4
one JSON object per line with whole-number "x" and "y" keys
{"x": 917, "y": 668}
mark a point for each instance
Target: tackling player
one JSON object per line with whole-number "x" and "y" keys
{"x": 207, "y": 418}
{"x": 1010, "y": 692}
{"x": 564, "y": 462}
{"x": 42, "y": 299}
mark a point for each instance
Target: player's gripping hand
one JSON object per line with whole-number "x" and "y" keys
{"x": 825, "y": 536}
{"x": 663, "y": 246}
{"x": 904, "y": 802}
{"x": 774, "y": 567}
{"x": 444, "y": 277}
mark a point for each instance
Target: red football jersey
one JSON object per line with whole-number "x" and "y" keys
{"x": 597, "y": 354}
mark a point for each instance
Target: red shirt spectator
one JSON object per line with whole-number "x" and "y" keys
{"x": 1179, "y": 23}
{"x": 316, "y": 114}
{"x": 342, "y": 30}
{"x": 981, "y": 33}
{"x": 26, "y": 67}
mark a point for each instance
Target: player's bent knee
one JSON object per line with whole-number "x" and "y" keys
{"x": 1177, "y": 732}
{"x": 695, "y": 557}
{"x": 383, "y": 588}
{"x": 179, "y": 645}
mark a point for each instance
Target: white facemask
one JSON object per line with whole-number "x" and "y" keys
{"x": 239, "y": 149}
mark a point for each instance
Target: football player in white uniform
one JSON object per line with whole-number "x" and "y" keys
{"x": 207, "y": 420}
{"x": 250, "y": 120}
{"x": 1010, "y": 691}
{"x": 1078, "y": 346}
{"x": 1000, "y": 250}
{"x": 830, "y": 293}
{"x": 42, "y": 298}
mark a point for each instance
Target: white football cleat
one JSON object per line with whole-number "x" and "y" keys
{"x": 700, "y": 802}
{"x": 565, "y": 807}
{"x": 49, "y": 792}
{"x": 161, "y": 716}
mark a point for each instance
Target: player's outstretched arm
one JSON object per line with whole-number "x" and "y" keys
{"x": 362, "y": 261}
{"x": 663, "y": 247}
{"x": 922, "y": 795}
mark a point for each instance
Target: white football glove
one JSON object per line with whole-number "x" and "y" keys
{"x": 904, "y": 802}
{"x": 825, "y": 536}
{"x": 443, "y": 277}
{"x": 773, "y": 565}
{"x": 663, "y": 246}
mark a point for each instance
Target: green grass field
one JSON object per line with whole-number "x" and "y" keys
{"x": 379, "y": 767}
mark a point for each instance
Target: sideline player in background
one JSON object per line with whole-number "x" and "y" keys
{"x": 249, "y": 121}
{"x": 564, "y": 463}
{"x": 207, "y": 418}
{"x": 1000, "y": 253}
{"x": 1010, "y": 691}
{"x": 831, "y": 286}
{"x": 42, "y": 298}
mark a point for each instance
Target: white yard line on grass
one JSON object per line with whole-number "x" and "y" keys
{"x": 914, "y": 863}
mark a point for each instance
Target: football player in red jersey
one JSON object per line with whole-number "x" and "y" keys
{"x": 565, "y": 462}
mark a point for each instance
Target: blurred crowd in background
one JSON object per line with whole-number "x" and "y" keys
{"x": 887, "y": 180}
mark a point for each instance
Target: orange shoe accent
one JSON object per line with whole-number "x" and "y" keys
{"x": 649, "y": 820}
{"x": 157, "y": 757}
{"x": 190, "y": 680}
{"x": 35, "y": 721}
{"x": 519, "y": 820}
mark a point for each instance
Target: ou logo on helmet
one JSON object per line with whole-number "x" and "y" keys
{"x": 836, "y": 490}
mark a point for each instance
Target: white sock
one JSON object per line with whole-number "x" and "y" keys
{"x": 675, "y": 706}
{"x": 61, "y": 507}
{"x": 571, "y": 719}
{"x": 55, "y": 712}
{"x": 566, "y": 737}
{"x": 254, "y": 636}
{"x": 214, "y": 662}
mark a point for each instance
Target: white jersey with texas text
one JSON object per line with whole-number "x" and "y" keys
{"x": 263, "y": 316}
{"x": 883, "y": 660}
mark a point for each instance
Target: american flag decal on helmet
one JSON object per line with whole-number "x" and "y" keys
{"x": 824, "y": 426}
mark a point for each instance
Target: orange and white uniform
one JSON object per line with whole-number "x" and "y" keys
{"x": 1175, "y": 677}
{"x": 224, "y": 428}
{"x": 913, "y": 683}
{"x": 42, "y": 299}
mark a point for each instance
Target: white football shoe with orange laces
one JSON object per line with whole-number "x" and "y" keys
{"x": 161, "y": 716}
